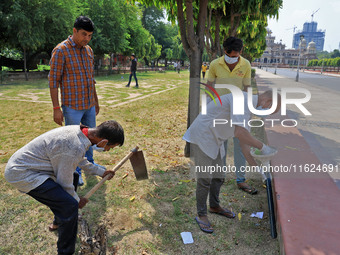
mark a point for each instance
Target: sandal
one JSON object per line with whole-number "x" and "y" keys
{"x": 247, "y": 189}
{"x": 225, "y": 212}
{"x": 53, "y": 227}
{"x": 203, "y": 226}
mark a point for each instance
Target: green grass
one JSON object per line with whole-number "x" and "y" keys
{"x": 164, "y": 205}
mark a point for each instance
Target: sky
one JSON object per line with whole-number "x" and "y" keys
{"x": 297, "y": 12}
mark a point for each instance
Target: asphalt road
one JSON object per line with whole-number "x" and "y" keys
{"x": 323, "y": 81}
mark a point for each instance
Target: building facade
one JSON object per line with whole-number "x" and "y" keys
{"x": 276, "y": 54}
{"x": 311, "y": 34}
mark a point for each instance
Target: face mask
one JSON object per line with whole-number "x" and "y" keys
{"x": 99, "y": 149}
{"x": 230, "y": 60}
{"x": 96, "y": 148}
{"x": 260, "y": 108}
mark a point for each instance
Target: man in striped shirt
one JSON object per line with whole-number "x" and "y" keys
{"x": 72, "y": 65}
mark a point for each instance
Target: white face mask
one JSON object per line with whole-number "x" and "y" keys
{"x": 230, "y": 60}
{"x": 99, "y": 149}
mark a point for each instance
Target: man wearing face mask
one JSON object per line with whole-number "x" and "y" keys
{"x": 233, "y": 69}
{"x": 44, "y": 170}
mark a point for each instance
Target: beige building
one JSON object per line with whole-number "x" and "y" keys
{"x": 276, "y": 54}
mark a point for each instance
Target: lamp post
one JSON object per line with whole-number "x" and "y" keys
{"x": 298, "y": 67}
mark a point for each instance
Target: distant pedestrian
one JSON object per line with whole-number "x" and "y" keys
{"x": 175, "y": 66}
{"x": 204, "y": 69}
{"x": 178, "y": 66}
{"x": 133, "y": 70}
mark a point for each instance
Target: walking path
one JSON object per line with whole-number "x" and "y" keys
{"x": 307, "y": 200}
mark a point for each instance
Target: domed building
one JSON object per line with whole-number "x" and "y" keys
{"x": 276, "y": 54}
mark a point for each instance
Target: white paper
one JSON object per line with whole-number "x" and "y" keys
{"x": 257, "y": 215}
{"x": 187, "y": 237}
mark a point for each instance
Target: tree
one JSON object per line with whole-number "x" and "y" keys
{"x": 242, "y": 18}
{"x": 34, "y": 25}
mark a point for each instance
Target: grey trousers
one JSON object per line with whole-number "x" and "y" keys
{"x": 207, "y": 183}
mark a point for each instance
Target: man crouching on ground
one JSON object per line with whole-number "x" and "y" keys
{"x": 44, "y": 169}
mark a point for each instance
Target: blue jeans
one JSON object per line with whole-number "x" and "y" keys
{"x": 65, "y": 209}
{"x": 134, "y": 75}
{"x": 239, "y": 160}
{"x": 85, "y": 117}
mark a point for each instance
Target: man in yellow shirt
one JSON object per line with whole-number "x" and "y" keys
{"x": 204, "y": 69}
{"x": 233, "y": 69}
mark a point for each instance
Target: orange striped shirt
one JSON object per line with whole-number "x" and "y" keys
{"x": 72, "y": 71}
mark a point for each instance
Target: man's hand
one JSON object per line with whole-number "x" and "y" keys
{"x": 82, "y": 202}
{"x": 111, "y": 173}
{"x": 97, "y": 108}
{"x": 58, "y": 116}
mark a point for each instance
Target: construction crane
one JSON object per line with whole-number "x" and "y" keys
{"x": 314, "y": 13}
{"x": 292, "y": 28}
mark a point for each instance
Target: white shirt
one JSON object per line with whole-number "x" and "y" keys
{"x": 55, "y": 155}
{"x": 210, "y": 139}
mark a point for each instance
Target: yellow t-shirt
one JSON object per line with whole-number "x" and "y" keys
{"x": 220, "y": 73}
{"x": 204, "y": 68}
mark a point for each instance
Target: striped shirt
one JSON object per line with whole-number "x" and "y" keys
{"x": 72, "y": 71}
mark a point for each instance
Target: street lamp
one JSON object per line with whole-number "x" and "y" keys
{"x": 298, "y": 67}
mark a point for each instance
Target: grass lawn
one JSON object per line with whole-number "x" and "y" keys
{"x": 154, "y": 118}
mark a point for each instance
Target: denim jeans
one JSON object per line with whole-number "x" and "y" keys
{"x": 65, "y": 209}
{"x": 134, "y": 75}
{"x": 85, "y": 117}
{"x": 239, "y": 160}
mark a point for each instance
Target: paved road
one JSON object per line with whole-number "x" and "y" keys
{"x": 323, "y": 81}
{"x": 321, "y": 130}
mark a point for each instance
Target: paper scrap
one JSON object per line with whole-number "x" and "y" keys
{"x": 257, "y": 215}
{"x": 187, "y": 237}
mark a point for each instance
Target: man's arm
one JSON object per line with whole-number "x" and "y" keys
{"x": 58, "y": 116}
{"x": 247, "y": 141}
{"x": 54, "y": 79}
{"x": 96, "y": 100}
{"x": 247, "y": 79}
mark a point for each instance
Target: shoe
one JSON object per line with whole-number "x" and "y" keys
{"x": 136, "y": 87}
{"x": 127, "y": 86}
{"x": 80, "y": 181}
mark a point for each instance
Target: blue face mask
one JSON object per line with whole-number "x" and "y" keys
{"x": 99, "y": 149}
{"x": 96, "y": 148}
{"x": 260, "y": 108}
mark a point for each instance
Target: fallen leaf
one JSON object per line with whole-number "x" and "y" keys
{"x": 132, "y": 198}
{"x": 186, "y": 181}
{"x": 140, "y": 215}
{"x": 175, "y": 198}
{"x": 239, "y": 216}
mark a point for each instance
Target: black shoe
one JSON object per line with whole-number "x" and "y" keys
{"x": 127, "y": 86}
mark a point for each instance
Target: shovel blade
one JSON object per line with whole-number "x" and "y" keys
{"x": 139, "y": 167}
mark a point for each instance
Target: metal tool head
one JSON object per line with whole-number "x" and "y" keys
{"x": 138, "y": 164}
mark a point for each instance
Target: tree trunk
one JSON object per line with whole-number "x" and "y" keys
{"x": 194, "y": 91}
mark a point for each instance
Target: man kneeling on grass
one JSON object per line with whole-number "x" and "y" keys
{"x": 44, "y": 170}
{"x": 207, "y": 139}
